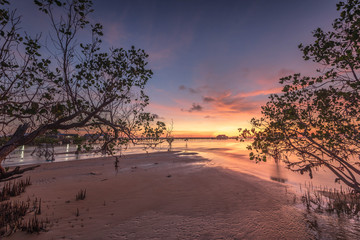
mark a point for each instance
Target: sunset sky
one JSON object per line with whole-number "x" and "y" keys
{"x": 214, "y": 62}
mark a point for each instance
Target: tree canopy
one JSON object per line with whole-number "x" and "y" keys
{"x": 315, "y": 121}
{"x": 49, "y": 81}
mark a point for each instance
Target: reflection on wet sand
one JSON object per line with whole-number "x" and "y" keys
{"x": 277, "y": 174}
{"x": 225, "y": 153}
{"x": 230, "y": 154}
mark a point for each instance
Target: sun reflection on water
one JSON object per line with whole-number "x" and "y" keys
{"x": 22, "y": 153}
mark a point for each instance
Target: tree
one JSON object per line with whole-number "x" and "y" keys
{"x": 315, "y": 121}
{"x": 60, "y": 84}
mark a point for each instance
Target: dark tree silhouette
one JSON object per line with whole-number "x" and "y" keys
{"x": 61, "y": 84}
{"x": 317, "y": 119}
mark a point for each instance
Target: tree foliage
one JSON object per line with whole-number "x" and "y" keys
{"x": 315, "y": 121}
{"x": 56, "y": 83}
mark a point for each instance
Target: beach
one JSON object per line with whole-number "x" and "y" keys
{"x": 167, "y": 195}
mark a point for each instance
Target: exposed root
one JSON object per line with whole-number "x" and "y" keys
{"x": 9, "y": 175}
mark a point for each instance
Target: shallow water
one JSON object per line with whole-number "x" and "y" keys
{"x": 224, "y": 153}
{"x": 233, "y": 155}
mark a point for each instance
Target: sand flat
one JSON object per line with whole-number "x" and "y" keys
{"x": 160, "y": 196}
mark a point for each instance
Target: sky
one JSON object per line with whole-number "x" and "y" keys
{"x": 214, "y": 62}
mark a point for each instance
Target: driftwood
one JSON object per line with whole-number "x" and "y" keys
{"x": 10, "y": 175}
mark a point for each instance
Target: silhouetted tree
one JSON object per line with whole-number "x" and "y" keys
{"x": 61, "y": 84}
{"x": 317, "y": 119}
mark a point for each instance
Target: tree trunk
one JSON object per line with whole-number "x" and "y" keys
{"x": 12, "y": 144}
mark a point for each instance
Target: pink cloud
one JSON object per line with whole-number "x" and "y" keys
{"x": 267, "y": 78}
{"x": 260, "y": 92}
{"x": 237, "y": 104}
{"x": 211, "y": 78}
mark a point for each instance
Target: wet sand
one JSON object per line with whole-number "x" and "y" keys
{"x": 160, "y": 196}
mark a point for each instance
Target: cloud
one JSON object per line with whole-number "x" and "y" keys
{"x": 235, "y": 104}
{"x": 182, "y": 87}
{"x": 229, "y": 102}
{"x": 195, "y": 108}
{"x": 261, "y": 92}
{"x": 237, "y": 76}
{"x": 189, "y": 89}
{"x": 226, "y": 102}
{"x": 267, "y": 78}
{"x": 208, "y": 99}
{"x": 215, "y": 76}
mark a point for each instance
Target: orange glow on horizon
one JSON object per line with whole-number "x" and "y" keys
{"x": 191, "y": 131}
